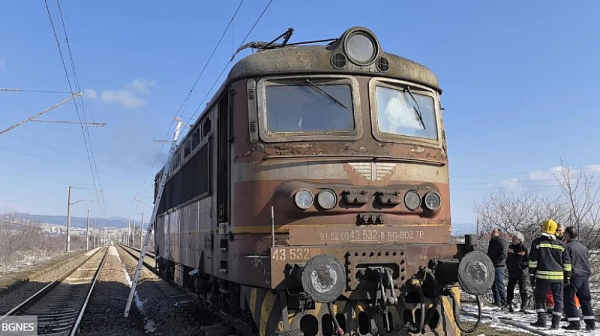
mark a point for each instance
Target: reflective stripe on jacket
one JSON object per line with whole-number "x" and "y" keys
{"x": 549, "y": 259}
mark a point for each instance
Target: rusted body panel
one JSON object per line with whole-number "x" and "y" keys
{"x": 230, "y": 239}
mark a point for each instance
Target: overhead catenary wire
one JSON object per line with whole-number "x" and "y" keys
{"x": 80, "y": 114}
{"x": 37, "y": 91}
{"x": 184, "y": 104}
{"x": 231, "y": 60}
{"x": 73, "y": 154}
{"x": 221, "y": 73}
{"x": 63, "y": 163}
{"x": 182, "y": 107}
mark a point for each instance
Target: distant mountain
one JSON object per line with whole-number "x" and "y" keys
{"x": 80, "y": 222}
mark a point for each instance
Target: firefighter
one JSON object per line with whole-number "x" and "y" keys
{"x": 579, "y": 284}
{"x": 549, "y": 267}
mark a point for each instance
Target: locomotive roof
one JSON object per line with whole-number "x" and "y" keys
{"x": 317, "y": 59}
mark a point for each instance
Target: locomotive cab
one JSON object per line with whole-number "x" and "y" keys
{"x": 312, "y": 196}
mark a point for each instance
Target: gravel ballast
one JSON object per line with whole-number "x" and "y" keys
{"x": 104, "y": 314}
{"x": 161, "y": 315}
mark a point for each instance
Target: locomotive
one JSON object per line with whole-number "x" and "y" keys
{"x": 311, "y": 196}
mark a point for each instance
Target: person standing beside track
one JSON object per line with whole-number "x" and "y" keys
{"x": 497, "y": 251}
{"x": 517, "y": 263}
{"x": 579, "y": 284}
{"x": 549, "y": 267}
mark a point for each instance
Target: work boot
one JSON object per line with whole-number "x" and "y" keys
{"x": 510, "y": 309}
{"x": 555, "y": 322}
{"x": 541, "y": 321}
{"x": 573, "y": 325}
{"x": 590, "y": 325}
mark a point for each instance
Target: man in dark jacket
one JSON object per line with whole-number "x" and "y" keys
{"x": 549, "y": 267}
{"x": 497, "y": 251}
{"x": 517, "y": 264}
{"x": 579, "y": 284}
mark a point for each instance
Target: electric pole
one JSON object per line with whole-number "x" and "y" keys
{"x": 87, "y": 233}
{"x": 68, "y": 248}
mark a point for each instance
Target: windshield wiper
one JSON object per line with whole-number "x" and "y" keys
{"x": 417, "y": 109}
{"x": 313, "y": 85}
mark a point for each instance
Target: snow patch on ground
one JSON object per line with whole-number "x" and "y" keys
{"x": 494, "y": 317}
{"x": 24, "y": 263}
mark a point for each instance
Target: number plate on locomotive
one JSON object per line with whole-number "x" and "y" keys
{"x": 294, "y": 254}
{"x": 337, "y": 235}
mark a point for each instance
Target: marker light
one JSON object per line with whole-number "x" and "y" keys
{"x": 412, "y": 200}
{"x": 433, "y": 200}
{"x": 303, "y": 199}
{"x": 327, "y": 199}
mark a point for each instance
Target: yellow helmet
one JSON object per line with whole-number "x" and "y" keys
{"x": 549, "y": 226}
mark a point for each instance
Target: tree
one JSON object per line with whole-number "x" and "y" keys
{"x": 510, "y": 212}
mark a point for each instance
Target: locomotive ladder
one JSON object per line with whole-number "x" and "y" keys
{"x": 163, "y": 181}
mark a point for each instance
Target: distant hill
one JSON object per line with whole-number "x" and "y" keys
{"x": 117, "y": 222}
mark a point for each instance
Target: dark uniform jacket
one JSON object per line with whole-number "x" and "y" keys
{"x": 497, "y": 252}
{"x": 549, "y": 259}
{"x": 579, "y": 259}
{"x": 518, "y": 260}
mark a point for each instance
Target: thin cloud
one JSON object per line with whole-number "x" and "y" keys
{"x": 132, "y": 96}
{"x": 547, "y": 177}
{"x": 141, "y": 85}
{"x": 513, "y": 183}
{"x": 89, "y": 93}
{"x": 123, "y": 97}
{"x": 546, "y": 174}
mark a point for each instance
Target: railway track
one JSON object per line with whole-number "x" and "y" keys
{"x": 149, "y": 261}
{"x": 148, "y": 253}
{"x": 192, "y": 305}
{"x": 60, "y": 305}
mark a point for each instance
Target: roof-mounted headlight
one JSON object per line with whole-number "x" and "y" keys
{"x": 361, "y": 46}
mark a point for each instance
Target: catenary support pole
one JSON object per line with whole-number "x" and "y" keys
{"x": 87, "y": 233}
{"x": 68, "y": 247}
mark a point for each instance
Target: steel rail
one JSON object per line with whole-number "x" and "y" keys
{"x": 23, "y": 306}
{"x": 89, "y": 294}
{"x": 148, "y": 253}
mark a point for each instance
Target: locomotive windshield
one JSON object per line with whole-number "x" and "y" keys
{"x": 309, "y": 107}
{"x": 404, "y": 112}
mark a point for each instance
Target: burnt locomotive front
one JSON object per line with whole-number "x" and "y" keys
{"x": 327, "y": 205}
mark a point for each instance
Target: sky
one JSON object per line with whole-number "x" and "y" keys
{"x": 518, "y": 79}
